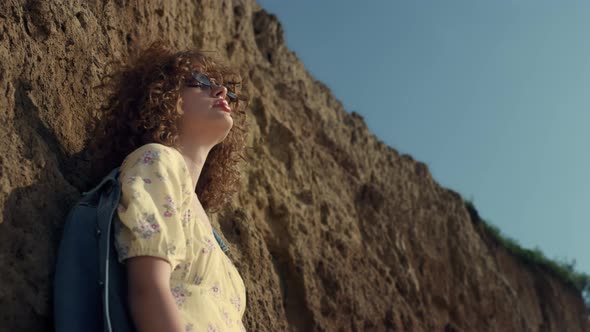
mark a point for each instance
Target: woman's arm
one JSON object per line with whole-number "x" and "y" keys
{"x": 149, "y": 224}
{"x": 151, "y": 302}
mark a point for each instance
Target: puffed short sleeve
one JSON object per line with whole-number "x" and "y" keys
{"x": 150, "y": 218}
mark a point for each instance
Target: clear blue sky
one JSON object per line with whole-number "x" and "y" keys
{"x": 494, "y": 96}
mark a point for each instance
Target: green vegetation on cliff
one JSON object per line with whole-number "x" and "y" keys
{"x": 562, "y": 269}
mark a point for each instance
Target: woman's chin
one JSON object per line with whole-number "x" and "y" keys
{"x": 227, "y": 120}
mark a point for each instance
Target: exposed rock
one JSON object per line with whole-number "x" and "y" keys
{"x": 334, "y": 230}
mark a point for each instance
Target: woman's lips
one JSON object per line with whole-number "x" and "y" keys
{"x": 223, "y": 105}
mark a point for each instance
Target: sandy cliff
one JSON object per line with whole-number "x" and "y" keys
{"x": 333, "y": 231}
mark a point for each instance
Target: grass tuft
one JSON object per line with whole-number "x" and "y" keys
{"x": 564, "y": 270}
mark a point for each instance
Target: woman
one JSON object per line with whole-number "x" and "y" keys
{"x": 174, "y": 122}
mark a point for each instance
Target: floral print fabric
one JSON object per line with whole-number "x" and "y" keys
{"x": 155, "y": 218}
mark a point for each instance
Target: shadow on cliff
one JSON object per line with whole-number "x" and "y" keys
{"x": 33, "y": 217}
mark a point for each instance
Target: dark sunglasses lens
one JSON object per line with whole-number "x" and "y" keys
{"x": 201, "y": 78}
{"x": 232, "y": 96}
{"x": 204, "y": 79}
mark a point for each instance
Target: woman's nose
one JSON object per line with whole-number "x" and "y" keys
{"x": 220, "y": 89}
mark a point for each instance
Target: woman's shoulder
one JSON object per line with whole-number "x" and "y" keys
{"x": 151, "y": 152}
{"x": 156, "y": 155}
{"x": 157, "y": 161}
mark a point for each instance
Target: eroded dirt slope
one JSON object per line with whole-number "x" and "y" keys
{"x": 333, "y": 231}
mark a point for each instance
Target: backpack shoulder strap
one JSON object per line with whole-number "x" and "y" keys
{"x": 113, "y": 174}
{"x": 222, "y": 244}
{"x": 108, "y": 202}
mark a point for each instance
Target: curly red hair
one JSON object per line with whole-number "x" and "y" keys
{"x": 143, "y": 105}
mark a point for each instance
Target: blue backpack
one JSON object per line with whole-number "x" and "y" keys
{"x": 90, "y": 285}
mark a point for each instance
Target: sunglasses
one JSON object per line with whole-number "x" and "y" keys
{"x": 203, "y": 80}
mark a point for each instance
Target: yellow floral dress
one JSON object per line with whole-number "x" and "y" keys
{"x": 155, "y": 218}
